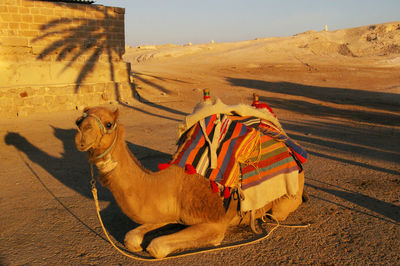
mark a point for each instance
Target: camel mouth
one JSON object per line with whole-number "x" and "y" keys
{"x": 85, "y": 148}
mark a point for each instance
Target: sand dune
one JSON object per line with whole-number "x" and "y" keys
{"x": 381, "y": 40}
{"x": 360, "y": 58}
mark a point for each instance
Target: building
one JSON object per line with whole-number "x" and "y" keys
{"x": 61, "y": 56}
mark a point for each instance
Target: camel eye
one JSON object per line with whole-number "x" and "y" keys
{"x": 109, "y": 125}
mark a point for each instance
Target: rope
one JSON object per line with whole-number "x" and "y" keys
{"x": 109, "y": 148}
{"x": 96, "y": 201}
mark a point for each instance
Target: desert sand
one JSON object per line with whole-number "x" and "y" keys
{"x": 337, "y": 93}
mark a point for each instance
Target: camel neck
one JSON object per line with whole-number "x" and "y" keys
{"x": 119, "y": 161}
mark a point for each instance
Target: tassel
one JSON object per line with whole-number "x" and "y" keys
{"x": 190, "y": 169}
{"x": 214, "y": 186}
{"x": 162, "y": 166}
{"x": 227, "y": 193}
{"x": 264, "y": 105}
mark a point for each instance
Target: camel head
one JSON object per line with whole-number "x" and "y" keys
{"x": 96, "y": 129}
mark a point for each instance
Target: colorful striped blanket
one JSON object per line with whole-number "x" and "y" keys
{"x": 242, "y": 152}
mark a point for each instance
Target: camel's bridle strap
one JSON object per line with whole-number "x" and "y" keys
{"x": 101, "y": 126}
{"x": 109, "y": 148}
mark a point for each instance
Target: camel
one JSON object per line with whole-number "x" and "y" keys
{"x": 155, "y": 199}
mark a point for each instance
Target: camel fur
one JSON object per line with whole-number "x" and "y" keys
{"x": 154, "y": 199}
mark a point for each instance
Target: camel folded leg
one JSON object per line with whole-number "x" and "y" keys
{"x": 282, "y": 207}
{"x": 198, "y": 235}
{"x": 134, "y": 238}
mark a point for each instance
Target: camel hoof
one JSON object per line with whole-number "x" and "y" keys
{"x": 216, "y": 244}
{"x": 280, "y": 216}
{"x": 157, "y": 250}
{"x": 133, "y": 242}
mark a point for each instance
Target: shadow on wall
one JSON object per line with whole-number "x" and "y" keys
{"x": 88, "y": 42}
{"x": 85, "y": 39}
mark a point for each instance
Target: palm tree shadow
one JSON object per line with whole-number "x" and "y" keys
{"x": 72, "y": 170}
{"x": 84, "y": 42}
{"x": 84, "y": 39}
{"x": 91, "y": 40}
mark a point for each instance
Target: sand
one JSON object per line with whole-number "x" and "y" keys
{"x": 337, "y": 93}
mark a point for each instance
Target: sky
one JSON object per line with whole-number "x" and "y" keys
{"x": 201, "y": 21}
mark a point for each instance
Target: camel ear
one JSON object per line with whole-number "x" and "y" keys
{"x": 116, "y": 114}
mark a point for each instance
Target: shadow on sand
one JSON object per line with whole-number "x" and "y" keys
{"x": 371, "y": 99}
{"x": 331, "y": 139}
{"x": 385, "y": 209}
{"x": 379, "y": 141}
{"x": 77, "y": 178}
{"x": 72, "y": 170}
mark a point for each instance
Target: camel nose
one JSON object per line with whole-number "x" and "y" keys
{"x": 81, "y": 141}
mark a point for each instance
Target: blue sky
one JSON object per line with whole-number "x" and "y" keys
{"x": 200, "y": 21}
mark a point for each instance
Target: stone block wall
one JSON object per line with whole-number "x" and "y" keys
{"x": 60, "y": 56}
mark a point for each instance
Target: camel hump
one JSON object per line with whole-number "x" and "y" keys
{"x": 198, "y": 202}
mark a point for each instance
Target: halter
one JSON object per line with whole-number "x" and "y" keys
{"x": 103, "y": 131}
{"x": 102, "y": 128}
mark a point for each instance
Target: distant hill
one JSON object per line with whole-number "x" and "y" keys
{"x": 378, "y": 40}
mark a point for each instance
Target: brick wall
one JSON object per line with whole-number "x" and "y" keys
{"x": 59, "y": 56}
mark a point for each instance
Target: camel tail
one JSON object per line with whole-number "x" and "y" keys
{"x": 305, "y": 197}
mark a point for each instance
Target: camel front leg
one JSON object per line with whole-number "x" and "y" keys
{"x": 134, "y": 238}
{"x": 198, "y": 235}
